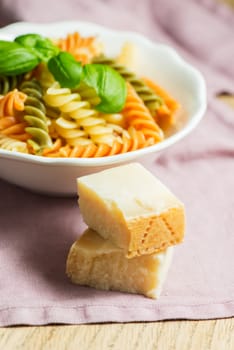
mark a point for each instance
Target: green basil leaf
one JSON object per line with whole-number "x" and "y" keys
{"x": 16, "y": 60}
{"x": 65, "y": 69}
{"x": 42, "y": 47}
{"x": 109, "y": 86}
{"x": 8, "y": 45}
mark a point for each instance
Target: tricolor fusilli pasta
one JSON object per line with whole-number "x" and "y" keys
{"x": 39, "y": 117}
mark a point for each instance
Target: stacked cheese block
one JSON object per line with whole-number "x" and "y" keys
{"x": 133, "y": 223}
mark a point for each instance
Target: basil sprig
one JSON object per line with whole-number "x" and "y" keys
{"x": 109, "y": 86}
{"x": 42, "y": 47}
{"x": 15, "y": 59}
{"x": 7, "y": 45}
{"x": 28, "y": 50}
{"x": 65, "y": 69}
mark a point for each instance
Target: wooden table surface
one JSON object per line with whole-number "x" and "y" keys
{"x": 173, "y": 335}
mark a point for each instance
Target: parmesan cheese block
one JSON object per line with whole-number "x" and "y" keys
{"x": 131, "y": 208}
{"x": 96, "y": 262}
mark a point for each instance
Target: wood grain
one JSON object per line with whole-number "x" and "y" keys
{"x": 173, "y": 335}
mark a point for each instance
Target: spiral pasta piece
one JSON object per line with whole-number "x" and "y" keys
{"x": 128, "y": 55}
{"x": 57, "y": 97}
{"x": 9, "y": 83}
{"x": 138, "y": 116}
{"x": 11, "y": 121}
{"x": 165, "y": 117}
{"x": 43, "y": 75}
{"x": 79, "y": 123}
{"x": 11, "y": 127}
{"x": 171, "y": 103}
{"x": 82, "y": 48}
{"x": 115, "y": 118}
{"x": 35, "y": 115}
{"x": 12, "y": 103}
{"x": 132, "y": 140}
{"x": 87, "y": 93}
{"x": 11, "y": 144}
{"x": 151, "y": 100}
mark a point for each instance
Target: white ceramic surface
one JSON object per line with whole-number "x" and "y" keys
{"x": 57, "y": 176}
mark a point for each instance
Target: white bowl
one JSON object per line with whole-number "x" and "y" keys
{"x": 57, "y": 176}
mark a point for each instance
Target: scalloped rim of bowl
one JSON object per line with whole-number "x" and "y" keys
{"x": 8, "y": 32}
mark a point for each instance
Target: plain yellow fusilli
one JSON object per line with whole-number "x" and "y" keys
{"x": 78, "y": 122}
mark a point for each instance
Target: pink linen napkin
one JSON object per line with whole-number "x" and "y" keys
{"x": 37, "y": 231}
